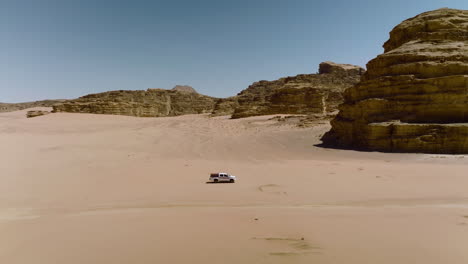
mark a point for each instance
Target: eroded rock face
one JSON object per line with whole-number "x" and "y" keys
{"x": 149, "y": 103}
{"x": 340, "y": 69}
{"x": 225, "y": 106}
{"x": 301, "y": 94}
{"x": 414, "y": 97}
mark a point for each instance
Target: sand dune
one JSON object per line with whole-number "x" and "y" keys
{"x": 80, "y": 188}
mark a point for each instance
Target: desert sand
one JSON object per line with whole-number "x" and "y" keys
{"x": 83, "y": 188}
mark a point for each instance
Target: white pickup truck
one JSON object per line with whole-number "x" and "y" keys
{"x": 222, "y": 177}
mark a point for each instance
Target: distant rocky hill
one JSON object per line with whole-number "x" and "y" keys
{"x": 149, "y": 103}
{"x": 184, "y": 88}
{"x": 9, "y": 107}
{"x": 414, "y": 97}
{"x": 301, "y": 94}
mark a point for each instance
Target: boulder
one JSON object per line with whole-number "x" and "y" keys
{"x": 414, "y": 96}
{"x": 35, "y": 113}
{"x": 184, "y": 89}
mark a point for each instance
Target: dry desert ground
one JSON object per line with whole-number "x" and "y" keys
{"x": 82, "y": 188}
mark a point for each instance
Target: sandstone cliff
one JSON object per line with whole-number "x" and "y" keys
{"x": 149, "y": 103}
{"x": 301, "y": 94}
{"x": 414, "y": 97}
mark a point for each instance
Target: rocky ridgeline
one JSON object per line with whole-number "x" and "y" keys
{"x": 7, "y": 107}
{"x": 149, "y": 103}
{"x": 301, "y": 94}
{"x": 414, "y": 97}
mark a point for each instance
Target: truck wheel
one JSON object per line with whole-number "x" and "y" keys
{"x": 231, "y": 181}
{"x": 216, "y": 180}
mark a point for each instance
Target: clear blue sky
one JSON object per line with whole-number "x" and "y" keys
{"x": 69, "y": 48}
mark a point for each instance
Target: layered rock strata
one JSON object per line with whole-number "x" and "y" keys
{"x": 149, "y": 103}
{"x": 301, "y": 94}
{"x": 414, "y": 97}
{"x": 9, "y": 107}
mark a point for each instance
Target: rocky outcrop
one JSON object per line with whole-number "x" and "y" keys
{"x": 184, "y": 89}
{"x": 35, "y": 113}
{"x": 414, "y": 97}
{"x": 7, "y": 107}
{"x": 225, "y": 106}
{"x": 149, "y": 103}
{"x": 340, "y": 69}
{"x": 301, "y": 94}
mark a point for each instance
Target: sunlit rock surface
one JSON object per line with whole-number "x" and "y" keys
{"x": 301, "y": 94}
{"x": 414, "y": 97}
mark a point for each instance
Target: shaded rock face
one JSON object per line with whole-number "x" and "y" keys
{"x": 149, "y": 103}
{"x": 301, "y": 94}
{"x": 225, "y": 106}
{"x": 414, "y": 97}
